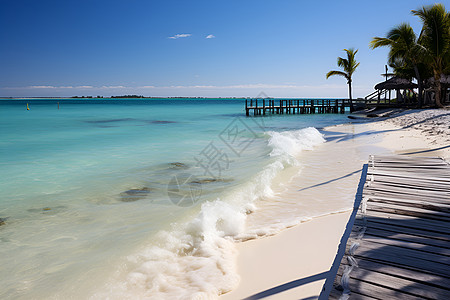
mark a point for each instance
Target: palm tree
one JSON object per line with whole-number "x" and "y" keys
{"x": 404, "y": 52}
{"x": 349, "y": 66}
{"x": 435, "y": 37}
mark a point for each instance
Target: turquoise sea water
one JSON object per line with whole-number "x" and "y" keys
{"x": 113, "y": 197}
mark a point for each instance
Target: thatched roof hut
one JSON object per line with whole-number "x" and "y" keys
{"x": 396, "y": 83}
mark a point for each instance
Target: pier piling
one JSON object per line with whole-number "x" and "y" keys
{"x": 296, "y": 106}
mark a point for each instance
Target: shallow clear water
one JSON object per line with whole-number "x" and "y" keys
{"x": 104, "y": 197}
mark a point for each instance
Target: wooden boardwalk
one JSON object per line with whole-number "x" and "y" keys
{"x": 298, "y": 106}
{"x": 399, "y": 247}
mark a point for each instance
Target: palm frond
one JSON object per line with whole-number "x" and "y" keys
{"x": 377, "y": 42}
{"x": 336, "y": 73}
{"x": 435, "y": 35}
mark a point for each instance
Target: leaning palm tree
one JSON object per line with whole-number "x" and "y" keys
{"x": 404, "y": 50}
{"x": 348, "y": 66}
{"x": 435, "y": 37}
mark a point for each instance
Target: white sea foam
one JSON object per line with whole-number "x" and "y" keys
{"x": 293, "y": 142}
{"x": 196, "y": 260}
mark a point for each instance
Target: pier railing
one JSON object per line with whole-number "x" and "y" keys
{"x": 298, "y": 106}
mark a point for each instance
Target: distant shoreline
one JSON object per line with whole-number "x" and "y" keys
{"x": 146, "y": 98}
{"x": 113, "y": 97}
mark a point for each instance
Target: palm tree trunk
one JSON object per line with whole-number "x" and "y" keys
{"x": 419, "y": 83}
{"x": 350, "y": 95}
{"x": 437, "y": 90}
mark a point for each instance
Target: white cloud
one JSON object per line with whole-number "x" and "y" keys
{"x": 113, "y": 87}
{"x": 41, "y": 87}
{"x": 180, "y": 35}
{"x": 210, "y": 36}
{"x": 48, "y": 87}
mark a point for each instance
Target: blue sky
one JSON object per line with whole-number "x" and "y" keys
{"x": 192, "y": 48}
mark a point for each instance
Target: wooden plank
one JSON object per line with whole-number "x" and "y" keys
{"x": 406, "y": 244}
{"x": 406, "y": 189}
{"x": 381, "y": 172}
{"x": 406, "y": 273}
{"x": 420, "y": 232}
{"x": 335, "y": 294}
{"x": 395, "y": 159}
{"x": 385, "y": 172}
{"x": 424, "y": 170}
{"x": 436, "y": 163}
{"x": 401, "y": 159}
{"x": 431, "y": 173}
{"x": 409, "y": 191}
{"x": 361, "y": 289}
{"x": 412, "y": 184}
{"x": 409, "y": 182}
{"x": 425, "y": 204}
{"x": 404, "y": 257}
{"x": 408, "y": 211}
{"x": 398, "y": 284}
{"x": 368, "y": 193}
{"x": 387, "y": 167}
{"x": 367, "y": 246}
{"x": 407, "y": 221}
{"x": 418, "y": 204}
{"x": 402, "y": 236}
{"x": 427, "y": 168}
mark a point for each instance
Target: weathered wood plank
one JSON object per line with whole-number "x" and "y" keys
{"x": 408, "y": 191}
{"x": 336, "y": 294}
{"x": 412, "y": 183}
{"x": 396, "y": 283}
{"x": 407, "y": 176}
{"x": 421, "y": 232}
{"x": 406, "y": 244}
{"x": 408, "y": 211}
{"x": 430, "y": 174}
{"x": 429, "y": 170}
{"x": 414, "y": 161}
{"x": 370, "y": 194}
{"x": 361, "y": 289}
{"x": 433, "y": 206}
{"x": 406, "y": 273}
{"x": 370, "y": 248}
{"x": 407, "y": 221}
{"x": 401, "y": 236}
{"x": 381, "y": 172}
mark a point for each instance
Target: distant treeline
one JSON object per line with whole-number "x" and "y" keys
{"x": 87, "y": 97}
{"x": 128, "y": 96}
{"x": 140, "y": 96}
{"x": 124, "y": 96}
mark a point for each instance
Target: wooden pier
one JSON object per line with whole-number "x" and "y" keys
{"x": 399, "y": 246}
{"x": 297, "y": 106}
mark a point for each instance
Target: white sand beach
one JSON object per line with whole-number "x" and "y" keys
{"x": 293, "y": 263}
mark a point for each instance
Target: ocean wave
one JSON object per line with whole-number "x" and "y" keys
{"x": 293, "y": 142}
{"x": 196, "y": 260}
